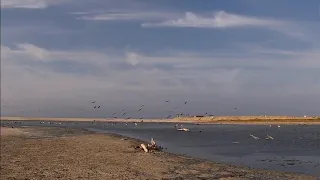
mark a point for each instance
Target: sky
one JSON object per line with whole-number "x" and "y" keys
{"x": 259, "y": 56}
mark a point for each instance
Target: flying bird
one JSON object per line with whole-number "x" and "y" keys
{"x": 124, "y": 114}
{"x": 98, "y": 106}
{"x": 93, "y": 102}
{"x": 140, "y": 109}
{"x": 141, "y": 105}
{"x": 269, "y": 137}
{"x": 255, "y": 137}
{"x": 167, "y": 101}
{"x": 95, "y": 107}
{"x": 185, "y": 102}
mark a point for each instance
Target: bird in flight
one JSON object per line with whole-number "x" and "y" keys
{"x": 93, "y": 102}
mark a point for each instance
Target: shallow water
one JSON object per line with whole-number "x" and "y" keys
{"x": 295, "y": 148}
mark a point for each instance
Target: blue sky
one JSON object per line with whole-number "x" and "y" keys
{"x": 261, "y": 56}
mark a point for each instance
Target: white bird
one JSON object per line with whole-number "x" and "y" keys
{"x": 269, "y": 137}
{"x": 183, "y": 129}
{"x": 255, "y": 137}
{"x": 153, "y": 143}
{"x": 278, "y": 126}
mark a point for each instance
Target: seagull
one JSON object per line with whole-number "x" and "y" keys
{"x": 124, "y": 114}
{"x": 167, "y": 101}
{"x": 93, "y": 102}
{"x": 255, "y": 137}
{"x": 141, "y": 105}
{"x": 140, "y": 109}
{"x": 168, "y": 116}
{"x": 153, "y": 143}
{"x": 269, "y": 137}
{"x": 95, "y": 107}
{"x": 185, "y": 102}
{"x": 278, "y": 126}
{"x": 98, "y": 106}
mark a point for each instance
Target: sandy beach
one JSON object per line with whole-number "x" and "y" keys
{"x": 204, "y": 120}
{"x": 62, "y": 153}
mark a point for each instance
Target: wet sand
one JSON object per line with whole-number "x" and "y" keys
{"x": 63, "y": 153}
{"x": 255, "y": 120}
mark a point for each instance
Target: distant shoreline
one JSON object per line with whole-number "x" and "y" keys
{"x": 199, "y": 120}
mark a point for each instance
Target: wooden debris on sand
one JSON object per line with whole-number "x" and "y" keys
{"x": 150, "y": 147}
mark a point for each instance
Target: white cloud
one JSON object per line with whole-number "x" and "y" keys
{"x": 216, "y": 74}
{"x": 123, "y": 15}
{"x": 220, "y": 19}
{"x": 29, "y": 4}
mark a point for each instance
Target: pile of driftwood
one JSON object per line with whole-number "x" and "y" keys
{"x": 150, "y": 147}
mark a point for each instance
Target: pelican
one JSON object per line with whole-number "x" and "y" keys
{"x": 255, "y": 137}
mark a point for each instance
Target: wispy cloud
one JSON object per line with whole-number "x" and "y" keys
{"x": 123, "y": 15}
{"x": 220, "y": 19}
{"x": 30, "y": 4}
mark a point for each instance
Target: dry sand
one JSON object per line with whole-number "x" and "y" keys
{"x": 61, "y": 153}
{"x": 204, "y": 120}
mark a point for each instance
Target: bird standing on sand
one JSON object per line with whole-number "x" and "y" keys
{"x": 153, "y": 143}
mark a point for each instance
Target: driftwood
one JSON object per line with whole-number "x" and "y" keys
{"x": 144, "y": 148}
{"x": 150, "y": 147}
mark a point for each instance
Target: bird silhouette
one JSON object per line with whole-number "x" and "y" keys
{"x": 186, "y": 102}
{"x": 140, "y": 109}
{"x": 93, "y": 102}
